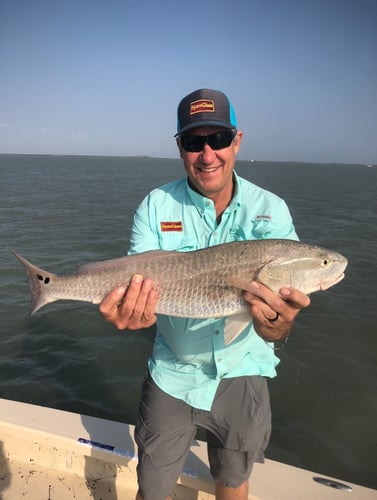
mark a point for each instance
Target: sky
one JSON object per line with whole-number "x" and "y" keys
{"x": 104, "y": 77}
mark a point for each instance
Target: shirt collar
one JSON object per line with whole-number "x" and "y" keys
{"x": 203, "y": 203}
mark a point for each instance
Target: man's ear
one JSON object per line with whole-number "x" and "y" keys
{"x": 237, "y": 140}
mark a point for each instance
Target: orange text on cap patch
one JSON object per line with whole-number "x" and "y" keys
{"x": 171, "y": 226}
{"x": 202, "y": 106}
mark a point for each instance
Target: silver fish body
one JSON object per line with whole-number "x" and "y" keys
{"x": 199, "y": 284}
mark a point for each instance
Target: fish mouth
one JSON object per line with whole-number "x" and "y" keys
{"x": 329, "y": 283}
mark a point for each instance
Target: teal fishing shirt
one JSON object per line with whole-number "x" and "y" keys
{"x": 189, "y": 357}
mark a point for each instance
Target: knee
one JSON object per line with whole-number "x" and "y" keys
{"x": 231, "y": 468}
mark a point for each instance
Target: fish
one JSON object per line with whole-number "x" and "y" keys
{"x": 205, "y": 283}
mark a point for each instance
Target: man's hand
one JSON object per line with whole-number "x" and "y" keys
{"x": 274, "y": 315}
{"x": 132, "y": 308}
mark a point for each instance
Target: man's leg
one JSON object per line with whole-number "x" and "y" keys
{"x": 140, "y": 497}
{"x": 225, "y": 493}
{"x": 164, "y": 433}
{"x": 238, "y": 430}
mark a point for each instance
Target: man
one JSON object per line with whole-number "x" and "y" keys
{"x": 194, "y": 379}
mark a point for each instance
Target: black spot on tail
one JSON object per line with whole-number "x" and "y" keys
{"x": 46, "y": 280}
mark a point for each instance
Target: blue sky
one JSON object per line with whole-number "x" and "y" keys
{"x": 104, "y": 77}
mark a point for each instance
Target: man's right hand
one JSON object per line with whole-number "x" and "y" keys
{"x": 132, "y": 308}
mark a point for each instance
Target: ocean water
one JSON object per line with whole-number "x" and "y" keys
{"x": 60, "y": 211}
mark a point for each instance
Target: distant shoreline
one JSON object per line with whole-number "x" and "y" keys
{"x": 252, "y": 162}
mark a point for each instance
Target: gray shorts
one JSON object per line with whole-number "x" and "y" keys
{"x": 238, "y": 429}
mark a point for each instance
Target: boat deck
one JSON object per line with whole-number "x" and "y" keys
{"x": 48, "y": 454}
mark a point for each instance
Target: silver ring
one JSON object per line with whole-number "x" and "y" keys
{"x": 275, "y": 318}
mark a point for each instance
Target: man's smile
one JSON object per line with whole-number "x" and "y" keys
{"x": 208, "y": 170}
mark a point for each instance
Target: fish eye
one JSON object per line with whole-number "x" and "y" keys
{"x": 325, "y": 262}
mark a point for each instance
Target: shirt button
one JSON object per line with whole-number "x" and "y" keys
{"x": 217, "y": 332}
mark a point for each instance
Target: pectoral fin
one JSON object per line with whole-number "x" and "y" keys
{"x": 271, "y": 275}
{"x": 242, "y": 284}
{"x": 235, "y": 325}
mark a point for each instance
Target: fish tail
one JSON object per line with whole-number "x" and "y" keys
{"x": 40, "y": 282}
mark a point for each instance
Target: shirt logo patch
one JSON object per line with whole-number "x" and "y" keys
{"x": 202, "y": 106}
{"x": 171, "y": 226}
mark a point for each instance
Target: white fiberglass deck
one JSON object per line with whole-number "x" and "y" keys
{"x": 48, "y": 454}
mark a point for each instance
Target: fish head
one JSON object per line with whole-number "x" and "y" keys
{"x": 310, "y": 270}
{"x": 332, "y": 269}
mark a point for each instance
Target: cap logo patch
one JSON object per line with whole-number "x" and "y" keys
{"x": 171, "y": 226}
{"x": 202, "y": 106}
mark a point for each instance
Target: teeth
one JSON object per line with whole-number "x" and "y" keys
{"x": 208, "y": 170}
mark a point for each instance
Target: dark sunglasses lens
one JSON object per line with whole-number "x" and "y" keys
{"x": 195, "y": 143}
{"x": 220, "y": 140}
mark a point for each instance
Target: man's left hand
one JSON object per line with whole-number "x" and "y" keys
{"x": 274, "y": 315}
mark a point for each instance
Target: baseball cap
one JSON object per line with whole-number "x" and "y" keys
{"x": 205, "y": 107}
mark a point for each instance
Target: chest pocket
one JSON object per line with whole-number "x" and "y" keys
{"x": 177, "y": 241}
{"x": 257, "y": 229}
{"x": 262, "y": 228}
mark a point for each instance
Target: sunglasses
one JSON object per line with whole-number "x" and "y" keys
{"x": 219, "y": 140}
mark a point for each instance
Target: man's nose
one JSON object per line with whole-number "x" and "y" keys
{"x": 207, "y": 155}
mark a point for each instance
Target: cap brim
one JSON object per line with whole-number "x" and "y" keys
{"x": 204, "y": 123}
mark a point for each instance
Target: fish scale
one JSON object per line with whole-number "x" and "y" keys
{"x": 199, "y": 284}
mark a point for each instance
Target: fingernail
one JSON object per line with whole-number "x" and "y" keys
{"x": 137, "y": 278}
{"x": 286, "y": 292}
{"x": 120, "y": 291}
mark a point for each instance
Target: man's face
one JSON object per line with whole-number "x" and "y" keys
{"x": 211, "y": 171}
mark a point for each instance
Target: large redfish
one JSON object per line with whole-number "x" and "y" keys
{"x": 199, "y": 284}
